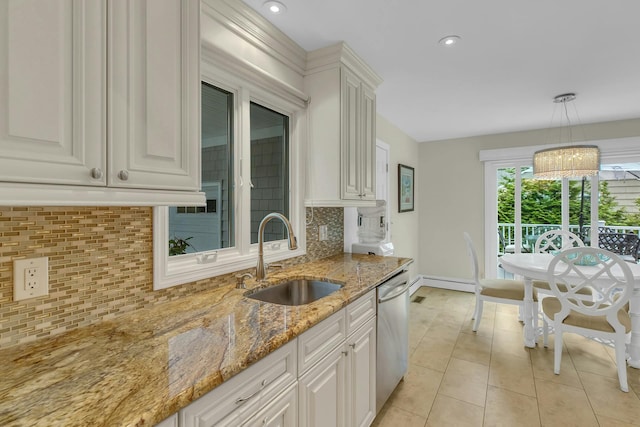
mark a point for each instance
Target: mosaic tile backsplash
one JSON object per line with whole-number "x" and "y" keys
{"x": 100, "y": 265}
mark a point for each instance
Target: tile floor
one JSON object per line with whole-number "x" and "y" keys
{"x": 460, "y": 378}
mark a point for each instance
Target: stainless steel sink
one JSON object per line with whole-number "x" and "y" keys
{"x": 295, "y": 292}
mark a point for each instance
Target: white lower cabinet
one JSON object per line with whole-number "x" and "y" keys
{"x": 340, "y": 388}
{"x": 281, "y": 412}
{"x": 322, "y": 392}
{"x": 320, "y": 379}
{"x": 361, "y": 384}
{"x": 235, "y": 402}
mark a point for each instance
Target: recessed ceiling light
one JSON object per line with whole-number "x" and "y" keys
{"x": 449, "y": 40}
{"x": 275, "y": 7}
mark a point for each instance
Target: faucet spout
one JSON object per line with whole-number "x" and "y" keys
{"x": 261, "y": 271}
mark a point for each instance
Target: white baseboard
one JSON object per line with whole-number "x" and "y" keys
{"x": 452, "y": 283}
{"x": 415, "y": 285}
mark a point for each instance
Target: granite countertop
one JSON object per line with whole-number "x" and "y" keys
{"x": 143, "y": 366}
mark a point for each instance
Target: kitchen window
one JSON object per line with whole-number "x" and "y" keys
{"x": 250, "y": 166}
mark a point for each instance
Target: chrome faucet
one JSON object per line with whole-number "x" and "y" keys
{"x": 261, "y": 271}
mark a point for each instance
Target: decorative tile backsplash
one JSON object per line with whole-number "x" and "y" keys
{"x": 101, "y": 265}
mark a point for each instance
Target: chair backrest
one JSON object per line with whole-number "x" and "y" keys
{"x": 557, "y": 240}
{"x": 599, "y": 269}
{"x": 620, "y": 243}
{"x": 473, "y": 257}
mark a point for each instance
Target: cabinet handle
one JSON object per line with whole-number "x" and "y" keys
{"x": 96, "y": 173}
{"x": 241, "y": 400}
{"x": 353, "y": 346}
{"x": 345, "y": 352}
{"x": 123, "y": 175}
{"x": 264, "y": 422}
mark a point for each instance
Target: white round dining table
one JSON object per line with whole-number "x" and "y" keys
{"x": 533, "y": 266}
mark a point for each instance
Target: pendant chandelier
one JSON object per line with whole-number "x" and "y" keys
{"x": 568, "y": 161}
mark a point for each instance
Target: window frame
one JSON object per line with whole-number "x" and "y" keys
{"x": 180, "y": 269}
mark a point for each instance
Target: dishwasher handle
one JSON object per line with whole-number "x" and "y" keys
{"x": 401, "y": 289}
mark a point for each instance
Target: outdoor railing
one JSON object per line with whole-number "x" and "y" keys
{"x": 507, "y": 230}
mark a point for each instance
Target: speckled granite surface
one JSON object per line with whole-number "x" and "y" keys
{"x": 146, "y": 365}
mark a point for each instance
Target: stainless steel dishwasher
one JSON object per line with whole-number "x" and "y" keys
{"x": 393, "y": 335}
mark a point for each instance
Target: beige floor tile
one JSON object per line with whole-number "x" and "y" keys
{"x": 454, "y": 372}
{"x": 448, "y": 412}
{"x": 542, "y": 362}
{"x": 486, "y": 324}
{"x": 433, "y": 354}
{"x": 445, "y": 333}
{"x": 590, "y": 356}
{"x": 507, "y": 320}
{"x": 416, "y": 333}
{"x": 512, "y": 373}
{"x": 418, "y": 390}
{"x": 396, "y": 417}
{"x": 474, "y": 348}
{"x": 510, "y": 343}
{"x": 465, "y": 381}
{"x": 608, "y": 400}
{"x": 562, "y": 405}
{"x": 507, "y": 408}
{"x": 611, "y": 422}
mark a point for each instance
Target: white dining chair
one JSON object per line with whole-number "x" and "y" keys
{"x": 557, "y": 240}
{"x": 503, "y": 291}
{"x": 605, "y": 318}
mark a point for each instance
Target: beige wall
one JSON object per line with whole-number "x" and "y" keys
{"x": 450, "y": 190}
{"x": 403, "y": 150}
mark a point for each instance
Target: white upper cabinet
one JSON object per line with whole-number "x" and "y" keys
{"x": 99, "y": 100}
{"x": 154, "y": 99}
{"x": 52, "y": 92}
{"x": 342, "y": 121}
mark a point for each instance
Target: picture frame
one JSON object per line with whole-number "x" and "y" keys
{"x": 406, "y": 188}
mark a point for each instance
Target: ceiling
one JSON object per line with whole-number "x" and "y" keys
{"x": 514, "y": 56}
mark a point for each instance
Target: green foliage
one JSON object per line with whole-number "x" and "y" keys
{"x": 178, "y": 246}
{"x": 542, "y": 202}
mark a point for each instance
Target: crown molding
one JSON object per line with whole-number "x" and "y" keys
{"x": 256, "y": 30}
{"x": 340, "y": 54}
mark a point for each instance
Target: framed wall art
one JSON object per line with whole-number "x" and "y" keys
{"x": 406, "y": 188}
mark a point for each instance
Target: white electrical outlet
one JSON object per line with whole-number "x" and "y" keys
{"x": 30, "y": 278}
{"x": 323, "y": 233}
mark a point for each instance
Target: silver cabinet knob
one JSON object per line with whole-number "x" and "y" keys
{"x": 123, "y": 175}
{"x": 96, "y": 173}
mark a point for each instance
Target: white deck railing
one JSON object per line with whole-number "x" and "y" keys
{"x": 507, "y": 230}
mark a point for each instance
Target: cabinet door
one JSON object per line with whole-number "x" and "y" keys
{"x": 362, "y": 379}
{"x": 281, "y": 412}
{"x": 154, "y": 96}
{"x": 52, "y": 89}
{"x": 368, "y": 144}
{"x": 350, "y": 134}
{"x": 322, "y": 392}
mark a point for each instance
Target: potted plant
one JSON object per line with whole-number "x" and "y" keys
{"x": 178, "y": 245}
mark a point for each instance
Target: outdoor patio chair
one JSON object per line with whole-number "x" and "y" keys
{"x": 510, "y": 248}
{"x": 503, "y": 291}
{"x": 606, "y": 318}
{"x": 623, "y": 244}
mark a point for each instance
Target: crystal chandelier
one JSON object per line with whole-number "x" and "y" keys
{"x": 568, "y": 161}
